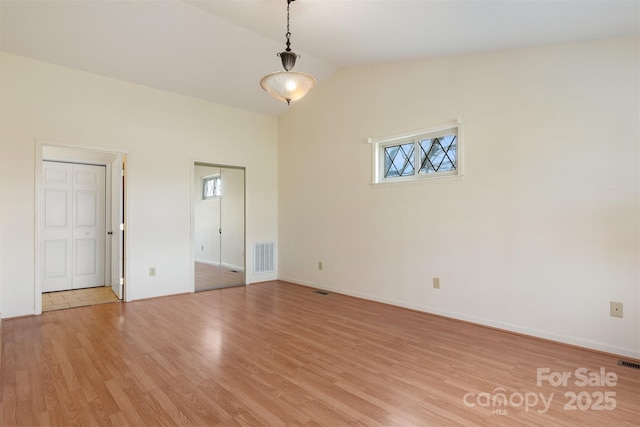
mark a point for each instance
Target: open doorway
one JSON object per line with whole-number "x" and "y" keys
{"x": 80, "y": 237}
{"x": 218, "y": 226}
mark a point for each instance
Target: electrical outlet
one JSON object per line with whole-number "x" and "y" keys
{"x": 616, "y": 309}
{"x": 319, "y": 265}
{"x": 436, "y": 283}
{"x": 152, "y": 271}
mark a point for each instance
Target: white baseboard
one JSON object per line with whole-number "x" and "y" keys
{"x": 481, "y": 321}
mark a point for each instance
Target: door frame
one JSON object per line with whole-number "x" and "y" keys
{"x": 192, "y": 167}
{"x": 40, "y": 144}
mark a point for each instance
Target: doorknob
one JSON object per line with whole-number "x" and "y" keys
{"x": 220, "y": 230}
{"x": 110, "y": 233}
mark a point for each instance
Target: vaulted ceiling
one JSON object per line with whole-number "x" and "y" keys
{"x": 218, "y": 50}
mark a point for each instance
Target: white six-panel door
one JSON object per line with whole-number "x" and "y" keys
{"x": 117, "y": 233}
{"x": 56, "y": 227}
{"x": 73, "y": 226}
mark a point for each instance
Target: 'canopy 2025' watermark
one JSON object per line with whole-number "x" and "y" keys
{"x": 499, "y": 400}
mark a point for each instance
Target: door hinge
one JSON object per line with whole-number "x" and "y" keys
{"x": 122, "y": 227}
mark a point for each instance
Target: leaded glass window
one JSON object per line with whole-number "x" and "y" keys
{"x": 438, "y": 154}
{"x": 399, "y": 160}
{"x": 422, "y": 154}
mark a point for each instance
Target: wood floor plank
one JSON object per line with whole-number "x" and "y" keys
{"x": 192, "y": 403}
{"x": 178, "y": 417}
{"x": 127, "y": 408}
{"x": 277, "y": 354}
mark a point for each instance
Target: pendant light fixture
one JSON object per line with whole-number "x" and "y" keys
{"x": 288, "y": 85}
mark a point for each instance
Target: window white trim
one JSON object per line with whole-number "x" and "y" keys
{"x": 215, "y": 189}
{"x": 441, "y": 129}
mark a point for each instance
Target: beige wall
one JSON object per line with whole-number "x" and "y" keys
{"x": 162, "y": 134}
{"x": 540, "y": 235}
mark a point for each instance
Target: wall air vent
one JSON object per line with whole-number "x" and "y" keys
{"x": 629, "y": 364}
{"x": 264, "y": 257}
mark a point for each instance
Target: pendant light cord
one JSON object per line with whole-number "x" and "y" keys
{"x": 288, "y": 32}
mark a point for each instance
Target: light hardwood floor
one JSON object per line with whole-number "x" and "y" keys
{"x": 275, "y": 354}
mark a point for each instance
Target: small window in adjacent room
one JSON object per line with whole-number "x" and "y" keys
{"x": 211, "y": 187}
{"x": 435, "y": 152}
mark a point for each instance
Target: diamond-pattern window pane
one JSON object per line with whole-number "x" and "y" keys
{"x": 398, "y": 160}
{"x": 438, "y": 154}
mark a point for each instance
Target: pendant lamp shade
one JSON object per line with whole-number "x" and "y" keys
{"x": 287, "y": 85}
